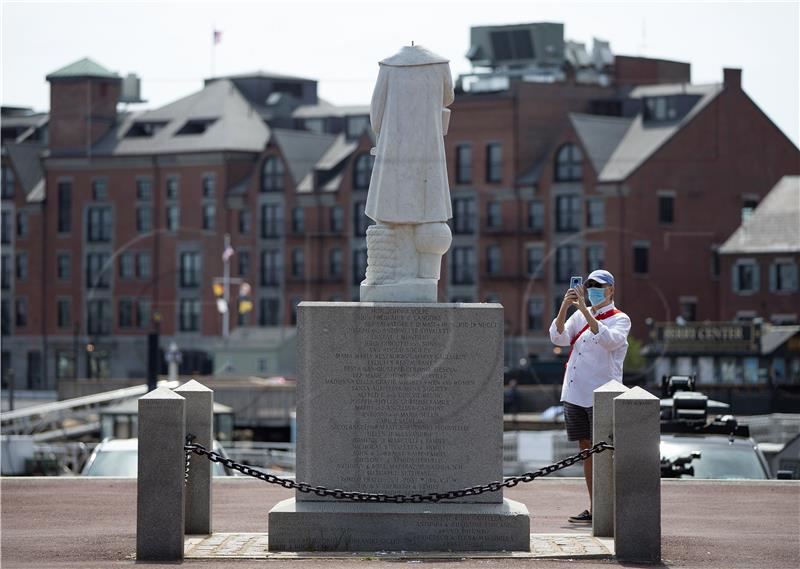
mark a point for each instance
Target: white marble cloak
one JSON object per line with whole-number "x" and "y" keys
{"x": 409, "y": 177}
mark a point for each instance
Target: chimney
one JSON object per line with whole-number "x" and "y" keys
{"x": 83, "y": 106}
{"x": 732, "y": 78}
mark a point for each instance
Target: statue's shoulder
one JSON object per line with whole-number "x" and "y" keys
{"x": 412, "y": 56}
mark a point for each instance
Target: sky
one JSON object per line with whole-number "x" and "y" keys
{"x": 169, "y": 44}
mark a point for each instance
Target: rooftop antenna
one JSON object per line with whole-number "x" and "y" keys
{"x": 412, "y": 43}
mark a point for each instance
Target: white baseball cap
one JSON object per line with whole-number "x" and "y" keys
{"x": 601, "y": 276}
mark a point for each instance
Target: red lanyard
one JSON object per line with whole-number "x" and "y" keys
{"x": 603, "y": 316}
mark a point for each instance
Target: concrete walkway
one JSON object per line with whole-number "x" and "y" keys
{"x": 81, "y": 523}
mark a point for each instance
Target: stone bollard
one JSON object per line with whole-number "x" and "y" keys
{"x": 200, "y": 423}
{"x": 637, "y": 477}
{"x": 603, "y": 463}
{"x": 160, "y": 486}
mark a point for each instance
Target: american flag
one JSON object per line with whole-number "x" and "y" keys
{"x": 217, "y": 36}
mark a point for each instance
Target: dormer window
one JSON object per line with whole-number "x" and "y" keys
{"x": 357, "y": 125}
{"x": 569, "y": 164}
{"x": 195, "y": 126}
{"x": 362, "y": 172}
{"x": 272, "y": 175}
{"x": 660, "y": 109}
{"x": 143, "y": 129}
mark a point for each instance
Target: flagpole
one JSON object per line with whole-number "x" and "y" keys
{"x": 213, "y": 49}
{"x": 226, "y": 259}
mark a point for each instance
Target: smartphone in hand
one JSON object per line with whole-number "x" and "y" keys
{"x": 575, "y": 282}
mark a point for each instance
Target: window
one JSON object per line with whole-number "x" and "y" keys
{"x": 21, "y": 312}
{"x": 63, "y": 271}
{"x": 464, "y": 216}
{"x": 463, "y": 265}
{"x": 298, "y": 220}
{"x": 494, "y": 162}
{"x": 298, "y": 263}
{"x": 209, "y": 186}
{"x": 195, "y": 126}
{"x": 464, "y": 164}
{"x": 64, "y": 207}
{"x": 22, "y": 225}
{"x": 595, "y": 213}
{"x": 5, "y": 274}
{"x": 494, "y": 259}
{"x": 209, "y": 216}
{"x": 688, "y": 309}
{"x": 173, "y": 187}
{"x": 98, "y": 317}
{"x": 335, "y": 263}
{"x": 245, "y": 221}
{"x": 569, "y": 164}
{"x": 746, "y": 276}
{"x": 189, "y": 315}
{"x": 494, "y": 215}
{"x": 244, "y": 263}
{"x": 272, "y": 175}
{"x": 65, "y": 364}
{"x": 360, "y": 219}
{"x": 271, "y": 220}
{"x": 315, "y": 125}
{"x": 22, "y": 266}
{"x": 173, "y": 218}
{"x": 748, "y": 207}
{"x": 127, "y": 270}
{"x": 359, "y": 265}
{"x": 99, "y": 227}
{"x": 568, "y": 213}
{"x": 783, "y": 276}
{"x": 99, "y": 189}
{"x": 97, "y": 270}
{"x": 5, "y": 317}
{"x": 641, "y": 254}
{"x": 535, "y": 314}
{"x": 357, "y": 125}
{"x": 362, "y": 172}
{"x": 535, "y": 261}
{"x": 190, "y": 269}
{"x": 271, "y": 267}
{"x": 5, "y": 229}
{"x": 144, "y": 219}
{"x": 143, "y": 312}
{"x": 125, "y": 315}
{"x": 660, "y": 108}
{"x": 35, "y": 370}
{"x": 143, "y": 265}
{"x": 567, "y": 263}
{"x": 595, "y": 257}
{"x": 64, "y": 313}
{"x": 536, "y": 215}
{"x": 336, "y": 218}
{"x": 269, "y": 312}
{"x": 666, "y": 209}
{"x": 7, "y": 182}
{"x": 144, "y": 190}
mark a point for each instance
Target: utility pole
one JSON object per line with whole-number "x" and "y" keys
{"x": 226, "y": 283}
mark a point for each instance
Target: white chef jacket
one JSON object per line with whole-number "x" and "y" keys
{"x": 595, "y": 359}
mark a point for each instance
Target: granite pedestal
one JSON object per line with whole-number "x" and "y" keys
{"x": 399, "y": 399}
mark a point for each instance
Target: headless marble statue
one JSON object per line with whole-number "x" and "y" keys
{"x": 409, "y": 196}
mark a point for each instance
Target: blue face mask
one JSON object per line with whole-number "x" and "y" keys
{"x": 596, "y": 295}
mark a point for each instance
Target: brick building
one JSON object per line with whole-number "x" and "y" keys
{"x": 560, "y": 160}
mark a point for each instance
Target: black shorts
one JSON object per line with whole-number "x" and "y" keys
{"x": 578, "y": 421}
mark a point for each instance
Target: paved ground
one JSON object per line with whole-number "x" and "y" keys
{"x": 90, "y": 523}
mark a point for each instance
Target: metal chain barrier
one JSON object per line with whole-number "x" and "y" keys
{"x": 509, "y": 482}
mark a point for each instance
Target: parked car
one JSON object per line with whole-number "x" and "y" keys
{"x": 119, "y": 457}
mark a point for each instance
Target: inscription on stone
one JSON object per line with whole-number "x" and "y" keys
{"x": 399, "y": 399}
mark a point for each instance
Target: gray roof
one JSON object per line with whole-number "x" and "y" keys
{"x": 599, "y": 135}
{"x": 301, "y": 149}
{"x": 261, "y": 73}
{"x": 642, "y": 140}
{"x": 82, "y": 68}
{"x": 326, "y": 109}
{"x": 336, "y": 153}
{"x": 773, "y": 337}
{"x": 27, "y": 163}
{"x": 236, "y": 126}
{"x": 774, "y": 226}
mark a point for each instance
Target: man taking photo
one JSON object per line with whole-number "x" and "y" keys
{"x": 599, "y": 340}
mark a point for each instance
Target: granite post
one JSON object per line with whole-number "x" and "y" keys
{"x": 399, "y": 399}
{"x": 603, "y": 463}
{"x": 200, "y": 423}
{"x": 160, "y": 486}
{"x": 637, "y": 477}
